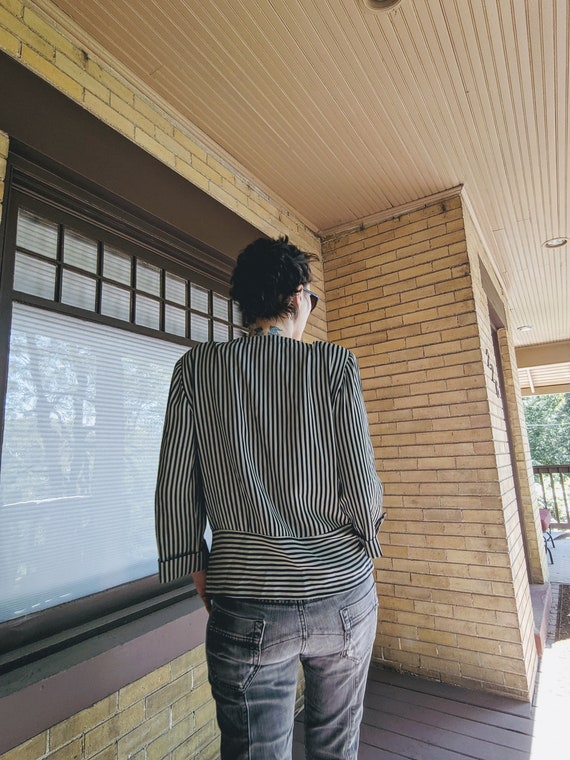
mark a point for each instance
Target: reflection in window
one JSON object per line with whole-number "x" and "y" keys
{"x": 199, "y": 328}
{"x": 175, "y": 320}
{"x": 200, "y": 300}
{"x": 36, "y": 234}
{"x": 115, "y": 302}
{"x": 237, "y": 316}
{"x": 220, "y": 306}
{"x": 79, "y": 251}
{"x": 78, "y": 290}
{"x": 95, "y": 277}
{"x": 35, "y": 276}
{"x": 84, "y": 415}
{"x": 117, "y": 266}
{"x": 148, "y": 278}
{"x": 175, "y": 289}
{"x": 148, "y": 312}
{"x": 220, "y": 332}
{"x": 95, "y": 332}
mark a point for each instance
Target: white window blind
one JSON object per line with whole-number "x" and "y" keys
{"x": 90, "y": 360}
{"x": 83, "y": 422}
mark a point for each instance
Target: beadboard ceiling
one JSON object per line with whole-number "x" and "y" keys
{"x": 343, "y": 112}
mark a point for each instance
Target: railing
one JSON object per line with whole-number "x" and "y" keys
{"x": 553, "y": 488}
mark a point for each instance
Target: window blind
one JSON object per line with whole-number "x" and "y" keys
{"x": 83, "y": 422}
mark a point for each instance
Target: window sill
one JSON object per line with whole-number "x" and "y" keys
{"x": 40, "y": 694}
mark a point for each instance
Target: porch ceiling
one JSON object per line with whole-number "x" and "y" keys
{"x": 343, "y": 112}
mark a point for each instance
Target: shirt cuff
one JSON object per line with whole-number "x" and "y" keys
{"x": 372, "y": 548}
{"x": 178, "y": 567}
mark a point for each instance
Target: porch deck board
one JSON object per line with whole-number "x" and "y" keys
{"x": 414, "y": 719}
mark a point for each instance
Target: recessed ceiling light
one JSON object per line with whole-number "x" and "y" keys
{"x": 525, "y": 328}
{"x": 380, "y": 5}
{"x": 556, "y": 242}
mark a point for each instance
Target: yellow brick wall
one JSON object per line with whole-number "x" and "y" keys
{"x": 167, "y": 714}
{"x": 400, "y": 294}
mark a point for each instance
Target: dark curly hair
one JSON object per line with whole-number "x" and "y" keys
{"x": 266, "y": 276}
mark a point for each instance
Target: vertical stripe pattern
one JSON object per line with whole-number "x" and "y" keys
{"x": 267, "y": 439}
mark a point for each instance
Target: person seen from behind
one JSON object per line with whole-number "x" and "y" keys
{"x": 266, "y": 438}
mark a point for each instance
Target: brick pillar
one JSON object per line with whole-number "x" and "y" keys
{"x": 405, "y": 295}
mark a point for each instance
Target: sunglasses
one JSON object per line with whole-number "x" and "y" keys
{"x": 313, "y": 296}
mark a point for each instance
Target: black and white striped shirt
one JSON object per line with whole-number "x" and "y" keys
{"x": 267, "y": 438}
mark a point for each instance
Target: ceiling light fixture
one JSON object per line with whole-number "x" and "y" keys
{"x": 380, "y": 5}
{"x": 556, "y": 242}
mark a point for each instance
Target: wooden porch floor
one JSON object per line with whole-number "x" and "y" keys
{"x": 410, "y": 718}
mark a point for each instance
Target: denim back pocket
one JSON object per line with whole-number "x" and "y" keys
{"x": 233, "y": 648}
{"x": 359, "y": 621}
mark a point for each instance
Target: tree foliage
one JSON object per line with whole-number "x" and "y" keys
{"x": 548, "y": 425}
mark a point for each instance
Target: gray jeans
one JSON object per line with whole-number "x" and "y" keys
{"x": 253, "y": 650}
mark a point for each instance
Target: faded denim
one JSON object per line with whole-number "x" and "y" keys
{"x": 253, "y": 650}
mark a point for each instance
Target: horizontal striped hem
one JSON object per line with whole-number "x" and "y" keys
{"x": 268, "y": 567}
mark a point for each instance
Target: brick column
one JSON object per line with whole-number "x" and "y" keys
{"x": 405, "y": 295}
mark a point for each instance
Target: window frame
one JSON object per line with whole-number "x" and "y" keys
{"x": 67, "y": 199}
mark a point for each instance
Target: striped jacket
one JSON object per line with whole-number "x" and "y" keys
{"x": 267, "y": 439}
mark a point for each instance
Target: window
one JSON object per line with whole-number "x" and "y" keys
{"x": 56, "y": 263}
{"x": 83, "y": 418}
{"x": 95, "y": 314}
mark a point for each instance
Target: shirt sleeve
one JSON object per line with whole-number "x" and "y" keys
{"x": 180, "y": 515}
{"x": 361, "y": 490}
